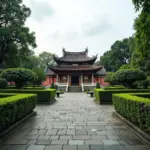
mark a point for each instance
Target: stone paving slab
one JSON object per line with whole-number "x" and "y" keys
{"x": 75, "y": 122}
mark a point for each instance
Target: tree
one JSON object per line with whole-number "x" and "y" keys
{"x": 46, "y": 59}
{"x": 13, "y": 32}
{"x": 127, "y": 77}
{"x": 119, "y": 54}
{"x": 40, "y": 74}
{"x": 142, "y": 27}
{"x": 19, "y": 75}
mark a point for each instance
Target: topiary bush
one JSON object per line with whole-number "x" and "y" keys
{"x": 3, "y": 83}
{"x": 98, "y": 85}
{"x": 19, "y": 75}
{"x": 127, "y": 77}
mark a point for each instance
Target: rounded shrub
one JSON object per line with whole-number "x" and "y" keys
{"x": 3, "y": 83}
{"x": 19, "y": 75}
{"x": 127, "y": 77}
{"x": 98, "y": 85}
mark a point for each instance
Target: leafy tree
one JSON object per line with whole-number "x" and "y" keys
{"x": 120, "y": 54}
{"x": 41, "y": 76}
{"x": 127, "y": 77}
{"x": 19, "y": 75}
{"x": 46, "y": 59}
{"x": 142, "y": 27}
{"x": 14, "y": 36}
{"x": 31, "y": 62}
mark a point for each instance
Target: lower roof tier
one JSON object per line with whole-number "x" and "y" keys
{"x": 97, "y": 70}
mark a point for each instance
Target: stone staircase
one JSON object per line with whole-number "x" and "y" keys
{"x": 74, "y": 89}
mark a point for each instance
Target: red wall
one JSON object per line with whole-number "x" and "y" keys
{"x": 101, "y": 81}
{"x": 49, "y": 81}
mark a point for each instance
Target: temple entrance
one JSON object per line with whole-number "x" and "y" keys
{"x": 74, "y": 80}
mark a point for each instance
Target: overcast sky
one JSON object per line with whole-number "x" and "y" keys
{"x": 77, "y": 24}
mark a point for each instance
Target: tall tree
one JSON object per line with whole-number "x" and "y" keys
{"x": 120, "y": 54}
{"x": 46, "y": 59}
{"x": 13, "y": 32}
{"x": 142, "y": 27}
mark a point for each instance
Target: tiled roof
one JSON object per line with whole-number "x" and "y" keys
{"x": 49, "y": 72}
{"x": 76, "y": 68}
{"x": 75, "y": 57}
{"x": 101, "y": 72}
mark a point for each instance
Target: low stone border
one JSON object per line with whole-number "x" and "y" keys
{"x": 15, "y": 126}
{"x": 143, "y": 135}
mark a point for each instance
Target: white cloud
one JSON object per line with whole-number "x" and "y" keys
{"x": 76, "y": 24}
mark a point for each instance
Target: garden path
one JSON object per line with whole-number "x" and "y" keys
{"x": 74, "y": 122}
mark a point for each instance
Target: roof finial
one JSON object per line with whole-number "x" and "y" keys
{"x": 63, "y": 49}
{"x": 86, "y": 49}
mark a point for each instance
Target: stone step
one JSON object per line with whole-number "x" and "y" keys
{"x": 74, "y": 89}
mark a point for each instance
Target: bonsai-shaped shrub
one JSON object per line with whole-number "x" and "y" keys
{"x": 19, "y": 75}
{"x": 98, "y": 85}
{"x": 3, "y": 83}
{"x": 142, "y": 84}
{"x": 53, "y": 86}
{"x": 41, "y": 76}
{"x": 127, "y": 77}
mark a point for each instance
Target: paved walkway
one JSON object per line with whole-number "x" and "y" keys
{"x": 74, "y": 122}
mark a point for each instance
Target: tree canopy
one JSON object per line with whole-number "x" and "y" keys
{"x": 15, "y": 38}
{"x": 119, "y": 54}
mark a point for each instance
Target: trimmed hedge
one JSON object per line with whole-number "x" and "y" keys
{"x": 43, "y": 96}
{"x": 136, "y": 109}
{"x": 14, "y": 108}
{"x": 105, "y": 96}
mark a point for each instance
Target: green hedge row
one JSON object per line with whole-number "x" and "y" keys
{"x": 14, "y": 107}
{"x": 43, "y": 96}
{"x": 105, "y": 96}
{"x": 136, "y": 109}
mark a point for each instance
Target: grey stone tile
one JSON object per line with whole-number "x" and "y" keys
{"x": 43, "y": 142}
{"x": 43, "y": 137}
{"x": 65, "y": 137}
{"x": 96, "y": 147}
{"x": 31, "y": 142}
{"x": 59, "y": 142}
{"x": 83, "y": 147}
{"x": 31, "y": 137}
{"x": 17, "y": 147}
{"x": 68, "y": 147}
{"x": 36, "y": 147}
{"x": 54, "y": 137}
{"x": 114, "y": 148}
{"x": 20, "y": 142}
{"x": 76, "y": 142}
{"x": 93, "y": 142}
{"x": 81, "y": 137}
{"x": 113, "y": 137}
{"x": 99, "y": 137}
{"x": 111, "y": 142}
{"x": 53, "y": 147}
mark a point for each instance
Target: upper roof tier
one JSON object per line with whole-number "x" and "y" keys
{"x": 75, "y": 58}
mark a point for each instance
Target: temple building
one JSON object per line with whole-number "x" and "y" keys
{"x": 75, "y": 69}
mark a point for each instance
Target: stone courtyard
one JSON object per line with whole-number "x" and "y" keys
{"x": 74, "y": 122}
